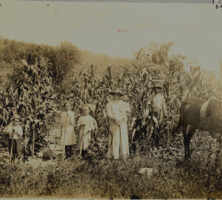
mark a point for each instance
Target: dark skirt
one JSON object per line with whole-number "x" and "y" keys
{"x": 15, "y": 148}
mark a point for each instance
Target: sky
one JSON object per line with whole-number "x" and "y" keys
{"x": 118, "y": 29}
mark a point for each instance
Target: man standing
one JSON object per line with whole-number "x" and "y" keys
{"x": 117, "y": 111}
{"x": 159, "y": 109}
{"x": 9, "y": 130}
{"x": 67, "y": 119}
{"x": 14, "y": 129}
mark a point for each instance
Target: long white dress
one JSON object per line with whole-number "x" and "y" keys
{"x": 67, "y": 119}
{"x": 118, "y": 140}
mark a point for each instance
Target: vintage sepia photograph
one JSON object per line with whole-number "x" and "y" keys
{"x": 110, "y": 100}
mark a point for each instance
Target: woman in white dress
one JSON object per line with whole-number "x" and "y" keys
{"x": 67, "y": 119}
{"x": 116, "y": 111}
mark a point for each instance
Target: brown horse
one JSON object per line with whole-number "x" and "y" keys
{"x": 190, "y": 116}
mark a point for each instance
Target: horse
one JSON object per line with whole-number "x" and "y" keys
{"x": 212, "y": 123}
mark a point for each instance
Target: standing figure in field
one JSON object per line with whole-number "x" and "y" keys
{"x": 87, "y": 126}
{"x": 14, "y": 129}
{"x": 159, "y": 110}
{"x": 67, "y": 119}
{"x": 156, "y": 111}
{"x": 9, "y": 130}
{"x": 117, "y": 111}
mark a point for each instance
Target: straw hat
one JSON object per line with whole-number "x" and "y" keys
{"x": 16, "y": 118}
{"x": 67, "y": 105}
{"x": 157, "y": 85}
{"x": 118, "y": 92}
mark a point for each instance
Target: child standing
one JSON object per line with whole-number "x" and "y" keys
{"x": 67, "y": 120}
{"x": 86, "y": 125}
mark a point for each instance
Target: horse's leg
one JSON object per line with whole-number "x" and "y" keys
{"x": 176, "y": 129}
{"x": 184, "y": 128}
{"x": 219, "y": 156}
{"x": 180, "y": 121}
{"x": 189, "y": 136}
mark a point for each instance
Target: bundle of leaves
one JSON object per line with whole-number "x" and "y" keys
{"x": 30, "y": 94}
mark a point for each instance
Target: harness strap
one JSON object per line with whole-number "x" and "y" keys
{"x": 203, "y": 109}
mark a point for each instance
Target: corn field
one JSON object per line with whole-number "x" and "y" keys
{"x": 34, "y": 93}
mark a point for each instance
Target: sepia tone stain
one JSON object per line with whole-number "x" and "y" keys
{"x": 45, "y": 81}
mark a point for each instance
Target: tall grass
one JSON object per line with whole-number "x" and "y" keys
{"x": 110, "y": 179}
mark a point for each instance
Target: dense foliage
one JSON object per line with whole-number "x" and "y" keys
{"x": 49, "y": 76}
{"x": 60, "y": 58}
{"x": 44, "y": 78}
{"x": 30, "y": 94}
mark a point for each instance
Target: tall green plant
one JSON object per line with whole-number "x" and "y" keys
{"x": 30, "y": 94}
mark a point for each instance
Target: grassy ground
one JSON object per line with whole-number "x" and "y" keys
{"x": 109, "y": 179}
{"x": 118, "y": 179}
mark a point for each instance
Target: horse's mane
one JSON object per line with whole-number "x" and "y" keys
{"x": 194, "y": 100}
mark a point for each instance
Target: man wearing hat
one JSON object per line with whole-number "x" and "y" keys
{"x": 157, "y": 100}
{"x": 9, "y": 130}
{"x": 14, "y": 129}
{"x": 67, "y": 120}
{"x": 116, "y": 111}
{"x": 87, "y": 125}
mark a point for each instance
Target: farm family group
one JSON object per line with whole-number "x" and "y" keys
{"x": 117, "y": 112}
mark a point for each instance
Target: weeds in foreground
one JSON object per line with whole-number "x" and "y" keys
{"x": 110, "y": 179}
